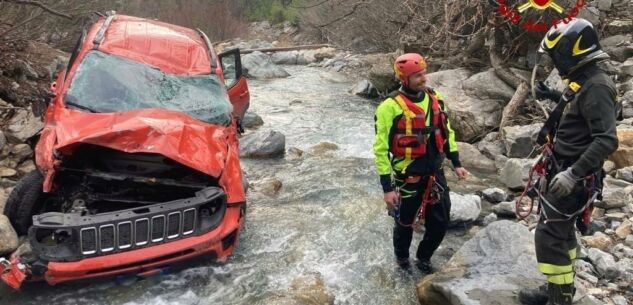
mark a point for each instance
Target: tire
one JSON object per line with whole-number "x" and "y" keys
{"x": 24, "y": 201}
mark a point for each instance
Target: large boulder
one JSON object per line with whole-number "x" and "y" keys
{"x": 491, "y": 146}
{"x": 473, "y": 159}
{"x": 8, "y": 236}
{"x": 382, "y": 76}
{"x": 252, "y": 120}
{"x": 464, "y": 208}
{"x": 263, "y": 144}
{"x": 623, "y": 156}
{"x": 487, "y": 85}
{"x": 471, "y": 117}
{"x": 627, "y": 67}
{"x": 515, "y": 172}
{"x": 618, "y": 47}
{"x": 488, "y": 269}
{"x": 22, "y": 126}
{"x": 604, "y": 263}
{"x": 494, "y": 195}
{"x": 520, "y": 140}
{"x": 364, "y": 88}
{"x": 285, "y": 58}
{"x": 260, "y": 66}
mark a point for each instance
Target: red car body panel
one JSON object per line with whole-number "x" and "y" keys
{"x": 208, "y": 148}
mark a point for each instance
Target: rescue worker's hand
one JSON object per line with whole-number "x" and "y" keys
{"x": 391, "y": 199}
{"x": 543, "y": 91}
{"x": 563, "y": 183}
{"x": 461, "y": 172}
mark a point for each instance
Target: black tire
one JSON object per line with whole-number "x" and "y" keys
{"x": 24, "y": 201}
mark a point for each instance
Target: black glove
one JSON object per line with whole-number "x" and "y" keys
{"x": 542, "y": 91}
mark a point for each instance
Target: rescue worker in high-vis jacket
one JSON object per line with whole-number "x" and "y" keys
{"x": 413, "y": 136}
{"x": 583, "y": 137}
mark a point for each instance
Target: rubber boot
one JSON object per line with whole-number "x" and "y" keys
{"x": 403, "y": 263}
{"x": 560, "y": 294}
{"x": 534, "y": 296}
{"x": 424, "y": 266}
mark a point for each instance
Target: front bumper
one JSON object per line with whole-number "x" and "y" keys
{"x": 218, "y": 243}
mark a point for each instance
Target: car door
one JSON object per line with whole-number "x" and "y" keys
{"x": 235, "y": 82}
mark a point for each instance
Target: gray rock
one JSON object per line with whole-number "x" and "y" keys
{"x": 592, "y": 14}
{"x": 604, "y": 263}
{"x": 488, "y": 269}
{"x": 588, "y": 277}
{"x": 625, "y": 174}
{"x": 505, "y": 209}
{"x": 627, "y": 67}
{"x": 604, "y": 5}
{"x": 472, "y": 158}
{"x": 8, "y": 236}
{"x": 621, "y": 251}
{"x": 619, "y": 300}
{"x": 588, "y": 300}
{"x": 492, "y": 217}
{"x": 252, "y": 120}
{"x": 260, "y": 66}
{"x": 487, "y": 85}
{"x": 520, "y": 140}
{"x": 629, "y": 241}
{"x": 597, "y": 225}
{"x": 3, "y": 198}
{"x": 621, "y": 26}
{"x": 613, "y": 197}
{"x": 263, "y": 144}
{"x": 491, "y": 146}
{"x": 615, "y": 40}
{"x": 23, "y": 126}
{"x": 381, "y": 75}
{"x": 3, "y": 140}
{"x": 365, "y": 89}
{"x": 608, "y": 166}
{"x": 515, "y": 172}
{"x": 464, "y": 208}
{"x": 494, "y": 195}
{"x": 285, "y": 58}
{"x": 21, "y": 152}
{"x": 471, "y": 117}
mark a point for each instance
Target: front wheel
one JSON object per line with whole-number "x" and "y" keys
{"x": 24, "y": 201}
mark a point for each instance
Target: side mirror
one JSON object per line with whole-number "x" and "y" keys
{"x": 231, "y": 67}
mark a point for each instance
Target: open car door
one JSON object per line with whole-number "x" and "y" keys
{"x": 235, "y": 82}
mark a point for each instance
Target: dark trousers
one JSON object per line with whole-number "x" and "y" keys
{"x": 436, "y": 218}
{"x": 555, "y": 237}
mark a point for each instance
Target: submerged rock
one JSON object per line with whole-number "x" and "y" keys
{"x": 263, "y": 144}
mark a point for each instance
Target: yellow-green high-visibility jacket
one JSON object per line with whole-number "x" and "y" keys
{"x": 387, "y": 113}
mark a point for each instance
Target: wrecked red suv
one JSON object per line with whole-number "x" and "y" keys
{"x": 138, "y": 163}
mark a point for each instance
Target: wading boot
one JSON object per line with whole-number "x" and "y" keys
{"x": 534, "y": 296}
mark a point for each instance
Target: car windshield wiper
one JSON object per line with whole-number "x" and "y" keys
{"x": 69, "y": 101}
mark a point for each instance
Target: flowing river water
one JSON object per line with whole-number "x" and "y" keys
{"x": 328, "y": 220}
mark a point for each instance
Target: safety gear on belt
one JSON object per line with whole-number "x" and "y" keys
{"x": 409, "y": 137}
{"x": 563, "y": 183}
{"x": 572, "y": 45}
{"x": 408, "y": 64}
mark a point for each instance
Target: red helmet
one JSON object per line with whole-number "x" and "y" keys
{"x": 408, "y": 64}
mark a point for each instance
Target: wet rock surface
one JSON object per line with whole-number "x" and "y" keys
{"x": 485, "y": 270}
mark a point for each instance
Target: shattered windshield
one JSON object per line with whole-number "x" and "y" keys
{"x": 108, "y": 83}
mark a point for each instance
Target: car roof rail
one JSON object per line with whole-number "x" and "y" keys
{"x": 210, "y": 49}
{"x": 101, "y": 33}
